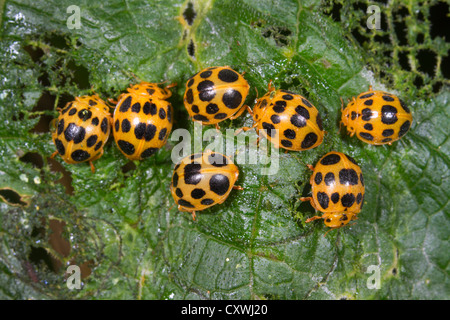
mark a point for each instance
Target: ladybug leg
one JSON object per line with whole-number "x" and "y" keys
{"x": 53, "y": 154}
{"x": 241, "y": 110}
{"x": 193, "y": 215}
{"x": 311, "y": 201}
{"x": 174, "y": 84}
{"x": 246, "y": 129}
{"x": 312, "y": 219}
{"x": 310, "y": 167}
{"x": 92, "y": 166}
{"x": 238, "y": 188}
{"x": 370, "y": 88}
{"x": 217, "y": 127}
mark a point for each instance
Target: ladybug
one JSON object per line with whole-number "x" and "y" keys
{"x": 297, "y": 122}
{"x": 143, "y": 120}
{"x": 215, "y": 94}
{"x": 202, "y": 180}
{"x": 82, "y": 129}
{"x": 337, "y": 189}
{"x": 377, "y": 117}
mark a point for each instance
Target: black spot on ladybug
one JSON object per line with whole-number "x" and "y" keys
{"x": 309, "y": 141}
{"x": 298, "y": 121}
{"x": 386, "y": 140}
{"x": 404, "y": 106}
{"x": 286, "y": 143}
{"x": 63, "y": 111}
{"x": 227, "y": 75}
{"x": 136, "y": 107}
{"x": 126, "y": 147}
{"x": 185, "y": 203}
{"x": 263, "y": 104}
{"x": 60, "y": 126}
{"x": 289, "y": 133}
{"x": 162, "y": 134}
{"x": 354, "y": 114}
{"x": 387, "y": 132}
{"x": 150, "y": 132}
{"x": 104, "y": 125}
{"x": 179, "y": 193}
{"x": 404, "y": 128}
{"x": 287, "y": 97}
{"x": 75, "y": 133}
{"x": 189, "y": 96}
{"x": 361, "y": 178}
{"x": 205, "y": 74}
{"x": 207, "y": 202}
{"x": 98, "y": 145}
{"x": 329, "y": 179}
{"x": 323, "y": 199}
{"x": 95, "y": 121}
{"x": 169, "y": 113}
{"x": 388, "y": 98}
{"x": 92, "y": 102}
{"x": 232, "y": 99}
{"x": 219, "y": 184}
{"x": 84, "y": 114}
{"x": 368, "y": 126}
{"x": 348, "y": 200}
{"x": 270, "y": 128}
{"x": 279, "y": 106}
{"x": 307, "y": 103}
{"x": 195, "y": 108}
{"x": 359, "y": 198}
{"x": 200, "y": 117}
{"x": 91, "y": 140}
{"x": 319, "y": 122}
{"x": 148, "y": 152}
{"x": 366, "y": 136}
{"x": 80, "y": 155}
{"x": 344, "y": 217}
{"x": 150, "y": 91}
{"x": 368, "y": 102}
{"x": 388, "y": 114}
{"x": 175, "y": 180}
{"x": 190, "y": 82}
{"x": 330, "y": 159}
{"x": 335, "y": 197}
{"x": 302, "y": 111}
{"x": 116, "y": 125}
{"x": 366, "y": 114}
{"x": 196, "y": 156}
{"x": 217, "y": 160}
{"x": 60, "y": 147}
{"x": 318, "y": 178}
{"x": 348, "y": 177}
{"x": 197, "y": 193}
{"x": 362, "y": 201}
{"x": 192, "y": 174}
{"x": 126, "y": 104}
{"x": 368, "y": 95}
{"x": 351, "y": 160}
{"x": 212, "y": 108}
{"x": 162, "y": 113}
{"x": 275, "y": 118}
{"x": 72, "y": 111}
{"x": 146, "y": 108}
{"x": 220, "y": 116}
{"x": 139, "y": 130}
{"x": 126, "y": 125}
{"x": 206, "y": 90}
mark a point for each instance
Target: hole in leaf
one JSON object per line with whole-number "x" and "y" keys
{"x": 359, "y": 37}
{"x": 427, "y": 61}
{"x": 403, "y": 60}
{"x": 66, "y": 179}
{"x": 437, "y": 87}
{"x": 440, "y": 21}
{"x": 130, "y": 166}
{"x": 11, "y": 197}
{"x": 191, "y": 48}
{"x": 33, "y": 158}
{"x": 279, "y": 34}
{"x": 189, "y": 13}
{"x": 420, "y": 38}
{"x": 401, "y": 32}
{"x": 418, "y": 82}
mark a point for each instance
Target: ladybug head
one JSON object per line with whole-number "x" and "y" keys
{"x": 339, "y": 219}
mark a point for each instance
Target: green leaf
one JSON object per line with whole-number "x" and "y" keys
{"x": 122, "y": 222}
